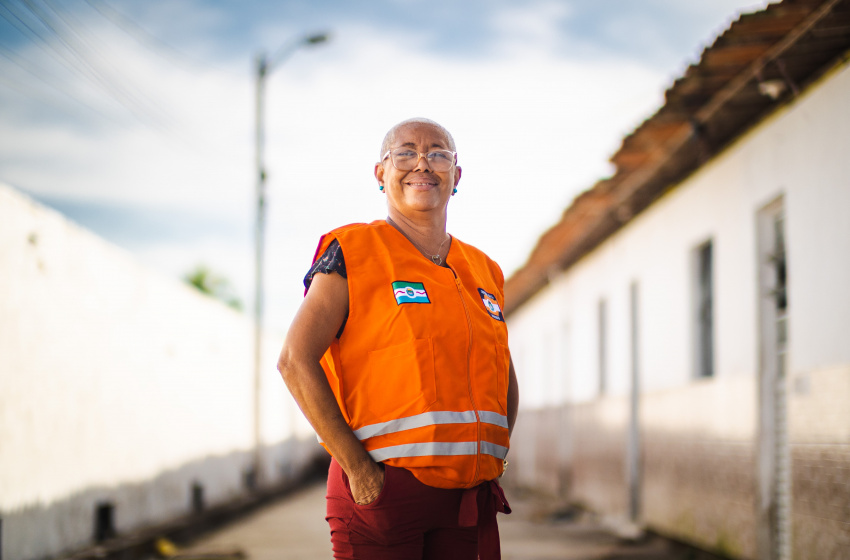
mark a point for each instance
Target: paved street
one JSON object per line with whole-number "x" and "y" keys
{"x": 294, "y": 529}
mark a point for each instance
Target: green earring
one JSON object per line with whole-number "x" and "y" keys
{"x": 381, "y": 188}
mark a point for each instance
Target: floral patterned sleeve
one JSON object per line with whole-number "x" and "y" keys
{"x": 330, "y": 261}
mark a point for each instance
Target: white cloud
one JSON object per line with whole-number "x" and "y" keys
{"x": 533, "y": 128}
{"x": 530, "y": 26}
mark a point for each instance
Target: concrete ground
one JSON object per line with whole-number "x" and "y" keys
{"x": 294, "y": 529}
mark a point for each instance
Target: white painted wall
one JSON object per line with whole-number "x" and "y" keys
{"x": 119, "y": 384}
{"x": 800, "y": 152}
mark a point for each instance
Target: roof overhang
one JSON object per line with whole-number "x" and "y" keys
{"x": 763, "y": 61}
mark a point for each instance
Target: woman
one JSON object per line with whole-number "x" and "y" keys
{"x": 398, "y": 357}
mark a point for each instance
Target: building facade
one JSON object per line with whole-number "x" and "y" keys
{"x": 682, "y": 337}
{"x": 126, "y": 398}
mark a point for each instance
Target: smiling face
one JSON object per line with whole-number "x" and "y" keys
{"x": 422, "y": 189}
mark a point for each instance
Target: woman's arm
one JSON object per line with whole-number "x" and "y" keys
{"x": 315, "y": 325}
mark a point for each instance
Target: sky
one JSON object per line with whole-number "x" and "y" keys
{"x": 135, "y": 119}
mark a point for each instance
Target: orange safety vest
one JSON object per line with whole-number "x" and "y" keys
{"x": 420, "y": 371}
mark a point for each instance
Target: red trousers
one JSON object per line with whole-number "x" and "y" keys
{"x": 410, "y": 521}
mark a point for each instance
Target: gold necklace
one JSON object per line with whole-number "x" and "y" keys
{"x": 436, "y": 259}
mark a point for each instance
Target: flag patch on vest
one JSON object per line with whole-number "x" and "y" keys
{"x": 491, "y": 305}
{"x": 410, "y": 292}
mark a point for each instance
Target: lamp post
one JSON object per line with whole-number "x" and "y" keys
{"x": 264, "y": 66}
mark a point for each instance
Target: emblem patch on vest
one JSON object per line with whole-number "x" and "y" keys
{"x": 410, "y": 292}
{"x": 491, "y": 306}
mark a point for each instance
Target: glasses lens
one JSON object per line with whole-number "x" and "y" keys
{"x": 406, "y": 159}
{"x": 441, "y": 160}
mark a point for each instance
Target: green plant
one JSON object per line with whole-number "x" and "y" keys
{"x": 211, "y": 284}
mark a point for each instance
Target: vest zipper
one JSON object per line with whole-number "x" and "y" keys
{"x": 469, "y": 378}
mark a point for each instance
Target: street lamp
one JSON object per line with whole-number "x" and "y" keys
{"x": 264, "y": 67}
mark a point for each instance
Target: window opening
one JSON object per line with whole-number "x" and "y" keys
{"x": 198, "y": 504}
{"x": 104, "y": 521}
{"x": 603, "y": 335}
{"x": 705, "y": 309}
{"x": 633, "y": 450}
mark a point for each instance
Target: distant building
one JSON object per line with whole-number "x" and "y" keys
{"x": 682, "y": 334}
{"x": 126, "y": 397}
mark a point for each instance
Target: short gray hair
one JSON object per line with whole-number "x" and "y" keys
{"x": 388, "y": 139}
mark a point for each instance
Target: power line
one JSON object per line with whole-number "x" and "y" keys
{"x": 88, "y": 38}
{"x": 150, "y": 41}
{"x": 51, "y": 28}
{"x": 17, "y": 19}
{"x": 83, "y": 60}
{"x": 36, "y": 71}
{"x": 19, "y": 24}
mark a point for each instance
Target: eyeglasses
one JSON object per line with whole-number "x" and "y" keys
{"x": 406, "y": 159}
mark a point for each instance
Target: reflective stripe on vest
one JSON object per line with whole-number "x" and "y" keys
{"x": 431, "y": 419}
{"x": 418, "y": 421}
{"x": 493, "y": 418}
{"x": 437, "y": 448}
{"x": 494, "y": 449}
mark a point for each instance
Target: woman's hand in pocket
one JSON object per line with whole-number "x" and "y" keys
{"x": 367, "y": 484}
